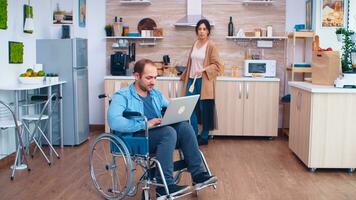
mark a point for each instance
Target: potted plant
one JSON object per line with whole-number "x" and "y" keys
{"x": 347, "y": 47}
{"x": 339, "y": 33}
{"x": 58, "y": 14}
{"x": 109, "y": 30}
{"x": 353, "y": 58}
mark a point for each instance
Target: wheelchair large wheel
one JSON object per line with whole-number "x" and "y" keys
{"x": 110, "y": 166}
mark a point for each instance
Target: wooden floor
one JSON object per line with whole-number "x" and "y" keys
{"x": 247, "y": 168}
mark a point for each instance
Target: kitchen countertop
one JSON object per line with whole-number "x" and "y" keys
{"x": 320, "y": 88}
{"x": 20, "y": 86}
{"x": 219, "y": 78}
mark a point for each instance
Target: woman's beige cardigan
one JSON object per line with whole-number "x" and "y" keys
{"x": 213, "y": 67}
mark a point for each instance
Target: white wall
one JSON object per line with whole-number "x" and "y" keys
{"x": 353, "y": 15}
{"x": 44, "y": 28}
{"x": 294, "y": 13}
{"x": 14, "y": 32}
{"x": 97, "y": 59}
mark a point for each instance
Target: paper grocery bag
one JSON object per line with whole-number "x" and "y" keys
{"x": 326, "y": 67}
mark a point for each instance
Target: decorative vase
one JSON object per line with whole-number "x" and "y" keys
{"x": 339, "y": 37}
{"x": 353, "y": 37}
{"x": 109, "y": 32}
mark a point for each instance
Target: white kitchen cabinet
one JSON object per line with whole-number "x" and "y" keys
{"x": 170, "y": 88}
{"x": 229, "y": 107}
{"x": 261, "y": 105}
{"x": 247, "y": 108}
{"x": 322, "y": 129}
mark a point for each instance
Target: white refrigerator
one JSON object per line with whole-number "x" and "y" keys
{"x": 68, "y": 58}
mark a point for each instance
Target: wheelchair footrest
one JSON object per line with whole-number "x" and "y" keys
{"x": 205, "y": 186}
{"x": 177, "y": 166}
{"x": 176, "y": 196}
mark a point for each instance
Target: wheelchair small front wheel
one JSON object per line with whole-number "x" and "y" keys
{"x": 110, "y": 166}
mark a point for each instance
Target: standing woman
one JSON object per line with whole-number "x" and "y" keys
{"x": 204, "y": 66}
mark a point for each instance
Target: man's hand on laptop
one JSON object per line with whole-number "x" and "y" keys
{"x": 154, "y": 122}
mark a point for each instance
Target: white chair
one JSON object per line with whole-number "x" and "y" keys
{"x": 8, "y": 120}
{"x": 40, "y": 122}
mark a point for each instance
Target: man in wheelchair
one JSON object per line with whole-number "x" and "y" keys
{"x": 141, "y": 96}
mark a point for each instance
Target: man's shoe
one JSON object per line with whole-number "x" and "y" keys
{"x": 203, "y": 179}
{"x": 202, "y": 141}
{"x": 174, "y": 190}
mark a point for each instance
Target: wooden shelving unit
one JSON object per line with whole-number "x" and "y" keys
{"x": 256, "y": 38}
{"x": 143, "y": 39}
{"x": 292, "y": 63}
{"x": 136, "y": 2}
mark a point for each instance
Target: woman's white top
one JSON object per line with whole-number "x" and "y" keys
{"x": 197, "y": 56}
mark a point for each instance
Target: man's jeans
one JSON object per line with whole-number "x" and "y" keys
{"x": 164, "y": 140}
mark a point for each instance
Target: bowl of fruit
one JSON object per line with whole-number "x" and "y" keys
{"x": 32, "y": 77}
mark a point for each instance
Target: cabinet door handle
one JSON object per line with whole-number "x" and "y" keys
{"x": 240, "y": 90}
{"x": 298, "y": 95}
{"x": 299, "y": 102}
{"x": 247, "y": 90}
{"x": 176, "y": 89}
{"x": 169, "y": 89}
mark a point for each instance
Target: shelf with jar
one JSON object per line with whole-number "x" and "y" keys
{"x": 135, "y": 2}
{"x": 293, "y": 64}
{"x": 143, "y": 42}
{"x": 256, "y": 38}
{"x": 121, "y": 33}
{"x": 258, "y": 2}
{"x": 264, "y": 37}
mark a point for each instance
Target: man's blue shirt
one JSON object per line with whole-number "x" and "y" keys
{"x": 127, "y": 99}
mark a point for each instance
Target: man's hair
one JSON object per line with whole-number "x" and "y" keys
{"x": 140, "y": 65}
{"x": 207, "y": 25}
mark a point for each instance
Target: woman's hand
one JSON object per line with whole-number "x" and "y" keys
{"x": 200, "y": 72}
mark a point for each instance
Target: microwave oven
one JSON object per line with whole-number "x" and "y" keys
{"x": 266, "y": 68}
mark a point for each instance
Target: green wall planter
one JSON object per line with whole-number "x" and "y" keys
{"x": 16, "y": 52}
{"x": 28, "y": 13}
{"x": 3, "y": 14}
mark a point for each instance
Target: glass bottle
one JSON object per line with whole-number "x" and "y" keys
{"x": 230, "y": 28}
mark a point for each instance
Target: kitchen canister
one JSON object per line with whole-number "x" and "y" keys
{"x": 269, "y": 30}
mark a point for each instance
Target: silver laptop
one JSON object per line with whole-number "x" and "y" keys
{"x": 179, "y": 109}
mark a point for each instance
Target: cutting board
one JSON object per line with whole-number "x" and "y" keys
{"x": 146, "y": 24}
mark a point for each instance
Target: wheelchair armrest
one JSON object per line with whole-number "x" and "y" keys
{"x": 102, "y": 96}
{"x": 133, "y": 114}
{"x": 128, "y": 114}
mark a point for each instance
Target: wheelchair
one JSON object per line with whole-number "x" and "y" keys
{"x": 114, "y": 158}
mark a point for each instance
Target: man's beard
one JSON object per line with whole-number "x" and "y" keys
{"x": 143, "y": 88}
